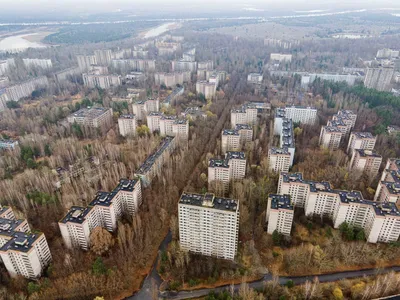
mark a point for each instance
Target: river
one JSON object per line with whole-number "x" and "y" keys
{"x": 18, "y": 43}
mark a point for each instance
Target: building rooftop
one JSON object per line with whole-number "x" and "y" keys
{"x": 127, "y": 116}
{"x": 367, "y": 153}
{"x": 90, "y": 112}
{"x": 181, "y": 121}
{"x": 155, "y": 113}
{"x": 164, "y": 117}
{"x": 392, "y": 187}
{"x": 279, "y": 112}
{"x": 363, "y": 135}
{"x": 230, "y": 132}
{"x": 332, "y": 129}
{"x": 210, "y": 201}
{"x": 7, "y": 226}
{"x": 243, "y": 127}
{"x": 218, "y": 163}
{"x": 337, "y": 122}
{"x": 76, "y": 214}
{"x": 235, "y": 155}
{"x": 301, "y": 107}
{"x": 283, "y": 150}
{"x": 149, "y": 162}
{"x": 280, "y": 202}
{"x": 21, "y": 242}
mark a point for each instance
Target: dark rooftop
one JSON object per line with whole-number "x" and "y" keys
{"x": 230, "y": 132}
{"x": 283, "y": 150}
{"x": 21, "y": 241}
{"x": 76, "y": 214}
{"x": 149, "y": 162}
{"x": 363, "y": 135}
{"x": 243, "y": 126}
{"x": 7, "y": 226}
{"x": 280, "y": 201}
{"x": 366, "y": 153}
{"x": 209, "y": 200}
{"x": 127, "y": 116}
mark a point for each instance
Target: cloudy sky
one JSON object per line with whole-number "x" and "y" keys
{"x": 157, "y": 6}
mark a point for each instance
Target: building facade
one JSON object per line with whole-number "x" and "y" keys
{"x": 127, "y": 125}
{"x": 279, "y": 214}
{"x": 365, "y": 161}
{"x": 361, "y": 140}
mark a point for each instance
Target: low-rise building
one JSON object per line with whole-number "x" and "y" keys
{"x": 127, "y": 125}
{"x": 95, "y": 117}
{"x": 218, "y": 236}
{"x": 152, "y": 166}
{"x": 365, "y": 161}
{"x": 361, "y": 140}
{"x": 279, "y": 215}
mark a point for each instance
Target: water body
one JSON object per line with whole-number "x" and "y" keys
{"x": 17, "y": 43}
{"x": 158, "y": 30}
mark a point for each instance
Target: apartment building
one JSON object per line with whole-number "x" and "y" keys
{"x": 104, "y": 210}
{"x": 6, "y": 212}
{"x": 36, "y": 62}
{"x": 279, "y": 214}
{"x": 9, "y": 226}
{"x": 25, "y": 89}
{"x": 361, "y": 140}
{"x": 122, "y": 53}
{"x": 280, "y": 114}
{"x": 388, "y": 189}
{"x": 180, "y": 128}
{"x": 154, "y": 121}
{"x": 66, "y": 74}
{"x": 365, "y": 161}
{"x": 172, "y": 79}
{"x": 5, "y": 65}
{"x": 143, "y": 107}
{"x": 194, "y": 112}
{"x": 103, "y": 56}
{"x": 178, "y": 91}
{"x": 95, "y": 117}
{"x": 330, "y": 137}
{"x": 387, "y": 54}
{"x": 152, "y": 166}
{"x": 167, "y": 48}
{"x": 304, "y": 115}
{"x": 234, "y": 139}
{"x": 281, "y": 57}
{"x": 208, "y": 89}
{"x": 350, "y": 79}
{"x": 279, "y": 159}
{"x": 255, "y": 78}
{"x": 86, "y": 61}
{"x": 208, "y": 225}
{"x": 184, "y": 65}
{"x": 139, "y": 65}
{"x": 127, "y": 125}
{"x": 379, "y": 78}
{"x": 347, "y": 116}
{"x": 205, "y": 65}
{"x": 223, "y": 171}
{"x": 380, "y": 220}
{"x": 166, "y": 125}
{"x": 8, "y": 144}
{"x": 101, "y": 81}
{"x": 247, "y": 114}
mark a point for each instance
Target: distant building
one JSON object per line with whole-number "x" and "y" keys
{"x": 387, "y": 54}
{"x": 279, "y": 215}
{"x": 86, "y": 61}
{"x": 154, "y": 121}
{"x": 66, "y": 74}
{"x": 172, "y": 79}
{"x": 281, "y": 57}
{"x": 279, "y": 159}
{"x": 379, "y": 78}
{"x": 255, "y": 78}
{"x": 208, "y": 89}
{"x": 361, "y": 140}
{"x": 223, "y": 171}
{"x": 36, "y": 62}
{"x": 194, "y": 113}
{"x": 205, "y": 65}
{"x": 103, "y": 211}
{"x": 388, "y": 189}
{"x": 154, "y": 163}
{"x": 95, "y": 117}
{"x": 178, "y": 91}
{"x": 183, "y": 65}
{"x": 140, "y": 65}
{"x": 247, "y": 114}
{"x": 101, "y": 81}
{"x": 350, "y": 79}
{"x": 24, "y": 89}
{"x": 167, "y": 48}
{"x": 144, "y": 107}
{"x": 103, "y": 56}
{"x": 219, "y": 236}
{"x": 304, "y": 115}
{"x": 135, "y": 76}
{"x": 6, "y": 65}
{"x": 127, "y": 125}
{"x": 365, "y": 161}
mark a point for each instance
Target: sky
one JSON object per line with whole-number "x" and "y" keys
{"x": 159, "y": 6}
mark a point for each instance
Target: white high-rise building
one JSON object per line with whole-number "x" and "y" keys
{"x": 365, "y": 161}
{"x": 281, "y": 57}
{"x": 279, "y": 215}
{"x": 223, "y": 171}
{"x": 234, "y": 139}
{"x": 103, "y": 56}
{"x": 379, "y": 78}
{"x": 95, "y": 117}
{"x": 127, "y": 125}
{"x": 247, "y": 114}
{"x": 166, "y": 123}
{"x": 209, "y": 225}
{"x": 304, "y": 115}
{"x": 36, "y": 62}
{"x": 388, "y": 189}
{"x": 154, "y": 121}
{"x": 293, "y": 184}
{"x": 104, "y": 211}
{"x": 279, "y": 159}
{"x": 86, "y": 61}
{"x": 330, "y": 137}
{"x": 101, "y": 81}
{"x": 180, "y": 128}
{"x": 361, "y": 140}
{"x": 208, "y": 89}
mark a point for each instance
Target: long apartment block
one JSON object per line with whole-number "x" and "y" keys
{"x": 152, "y": 166}
{"x": 223, "y": 171}
{"x": 284, "y": 128}
{"x": 302, "y": 114}
{"x": 234, "y": 139}
{"x": 22, "y": 252}
{"x": 209, "y": 225}
{"x": 380, "y": 220}
{"x": 104, "y": 211}
{"x": 279, "y": 214}
{"x": 95, "y": 117}
{"x": 388, "y": 189}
